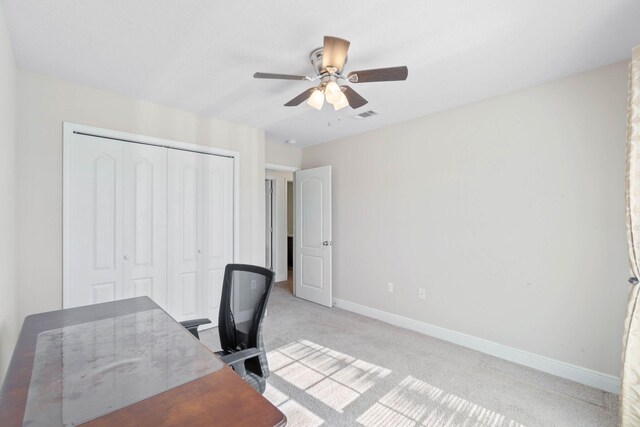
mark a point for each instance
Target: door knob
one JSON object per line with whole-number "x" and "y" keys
{"x": 126, "y": 257}
{"x": 325, "y": 243}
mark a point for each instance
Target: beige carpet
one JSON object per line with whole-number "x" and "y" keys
{"x": 331, "y": 367}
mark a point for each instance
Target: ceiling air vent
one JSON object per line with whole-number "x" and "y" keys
{"x": 365, "y": 115}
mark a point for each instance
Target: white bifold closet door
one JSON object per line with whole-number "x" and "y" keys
{"x": 116, "y": 245}
{"x": 93, "y": 239}
{"x": 146, "y": 220}
{"x": 200, "y": 215}
{"x": 218, "y": 230}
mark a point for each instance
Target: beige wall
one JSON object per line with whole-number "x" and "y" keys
{"x": 280, "y": 221}
{"x": 8, "y": 285}
{"x": 43, "y": 104}
{"x": 280, "y": 153}
{"x": 509, "y": 212}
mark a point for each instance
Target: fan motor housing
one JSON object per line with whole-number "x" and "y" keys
{"x": 316, "y": 60}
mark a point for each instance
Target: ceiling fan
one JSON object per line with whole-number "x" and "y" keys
{"x": 328, "y": 62}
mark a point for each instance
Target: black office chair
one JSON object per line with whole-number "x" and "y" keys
{"x": 245, "y": 292}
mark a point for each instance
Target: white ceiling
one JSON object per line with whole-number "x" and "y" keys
{"x": 200, "y": 55}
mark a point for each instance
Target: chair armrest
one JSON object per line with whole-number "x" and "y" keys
{"x": 240, "y": 356}
{"x": 195, "y": 322}
{"x": 236, "y": 360}
{"x": 192, "y": 325}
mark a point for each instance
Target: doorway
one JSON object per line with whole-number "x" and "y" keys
{"x": 268, "y": 227}
{"x": 290, "y": 230}
{"x": 279, "y": 225}
{"x": 302, "y": 236}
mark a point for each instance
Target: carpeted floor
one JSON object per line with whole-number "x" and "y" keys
{"x": 334, "y": 368}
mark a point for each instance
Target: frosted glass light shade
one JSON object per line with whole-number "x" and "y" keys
{"x": 342, "y": 102}
{"x": 332, "y": 92}
{"x": 316, "y": 100}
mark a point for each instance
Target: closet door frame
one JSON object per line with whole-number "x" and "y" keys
{"x": 70, "y": 129}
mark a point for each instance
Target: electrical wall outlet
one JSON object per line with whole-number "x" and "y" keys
{"x": 422, "y": 294}
{"x": 390, "y": 287}
{"x": 253, "y": 284}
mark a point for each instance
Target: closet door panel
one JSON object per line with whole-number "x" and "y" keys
{"x": 184, "y": 219}
{"x": 94, "y": 208}
{"x": 145, "y": 222}
{"x": 218, "y": 229}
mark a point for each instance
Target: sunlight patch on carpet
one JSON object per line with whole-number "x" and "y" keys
{"x": 417, "y": 403}
{"x": 297, "y": 415}
{"x": 333, "y": 378}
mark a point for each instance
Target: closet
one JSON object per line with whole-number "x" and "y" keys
{"x": 149, "y": 220}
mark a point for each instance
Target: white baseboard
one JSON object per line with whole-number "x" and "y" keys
{"x": 575, "y": 373}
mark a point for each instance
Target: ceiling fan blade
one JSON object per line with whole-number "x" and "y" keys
{"x": 379, "y": 75}
{"x": 300, "y": 98}
{"x": 334, "y": 52}
{"x": 354, "y": 98}
{"x": 278, "y": 76}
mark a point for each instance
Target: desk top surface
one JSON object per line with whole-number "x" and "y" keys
{"x": 120, "y": 362}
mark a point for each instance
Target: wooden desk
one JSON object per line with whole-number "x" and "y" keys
{"x": 118, "y": 364}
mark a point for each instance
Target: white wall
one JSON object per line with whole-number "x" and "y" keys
{"x": 280, "y": 222}
{"x": 510, "y": 212}
{"x": 43, "y": 105}
{"x": 8, "y": 285}
{"x": 280, "y": 153}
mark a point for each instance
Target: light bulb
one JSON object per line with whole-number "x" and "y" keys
{"x": 332, "y": 92}
{"x": 316, "y": 99}
{"x": 342, "y": 102}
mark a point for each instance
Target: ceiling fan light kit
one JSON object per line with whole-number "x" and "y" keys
{"x": 328, "y": 62}
{"x": 316, "y": 100}
{"x": 332, "y": 92}
{"x": 342, "y": 102}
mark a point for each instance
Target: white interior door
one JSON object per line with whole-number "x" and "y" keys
{"x": 145, "y": 222}
{"x": 184, "y": 236}
{"x": 218, "y": 229}
{"x": 94, "y": 242}
{"x": 313, "y": 235}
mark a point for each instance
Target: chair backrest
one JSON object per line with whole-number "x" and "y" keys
{"x": 245, "y": 293}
